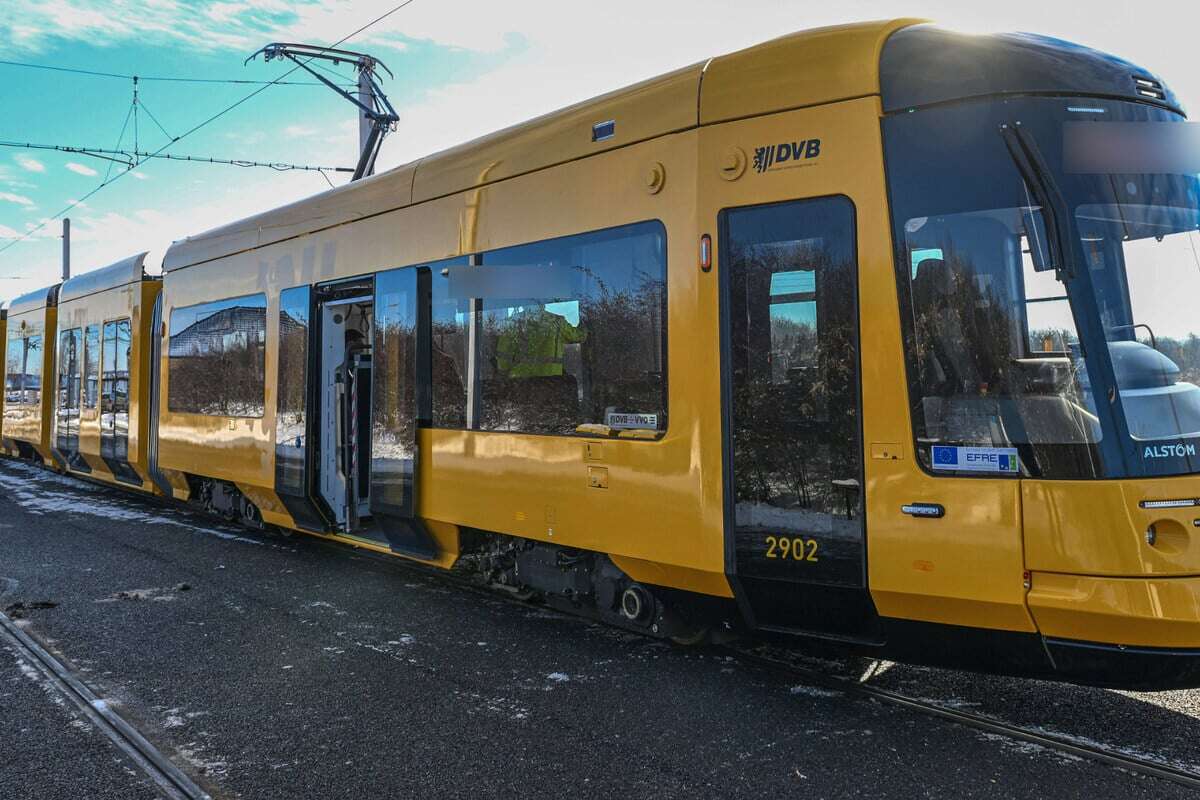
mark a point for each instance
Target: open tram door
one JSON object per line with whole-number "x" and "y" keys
{"x": 344, "y": 331}
{"x": 354, "y": 375}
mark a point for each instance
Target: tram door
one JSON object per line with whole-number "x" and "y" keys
{"x": 345, "y": 330}
{"x": 370, "y": 341}
{"x": 794, "y": 505}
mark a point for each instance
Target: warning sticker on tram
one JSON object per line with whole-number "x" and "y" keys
{"x": 977, "y": 459}
{"x": 617, "y": 420}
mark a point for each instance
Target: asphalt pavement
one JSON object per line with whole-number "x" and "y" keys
{"x": 271, "y": 667}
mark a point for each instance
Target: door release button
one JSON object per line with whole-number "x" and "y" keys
{"x": 924, "y": 510}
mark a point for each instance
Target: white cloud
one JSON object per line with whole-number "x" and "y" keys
{"x": 82, "y": 169}
{"x": 45, "y": 231}
{"x": 141, "y": 176}
{"x": 19, "y": 199}
{"x": 298, "y": 131}
{"x": 33, "y": 25}
{"x": 31, "y": 164}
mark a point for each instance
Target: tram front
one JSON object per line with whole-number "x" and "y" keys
{"x": 1046, "y": 217}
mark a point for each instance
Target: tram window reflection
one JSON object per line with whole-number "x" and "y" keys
{"x": 216, "y": 358}
{"x": 568, "y": 332}
{"x": 23, "y": 376}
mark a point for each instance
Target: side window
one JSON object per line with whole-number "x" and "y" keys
{"x": 14, "y": 374}
{"x": 216, "y": 358}
{"x": 792, "y": 320}
{"x": 29, "y": 370}
{"x": 562, "y": 333}
{"x": 91, "y": 366}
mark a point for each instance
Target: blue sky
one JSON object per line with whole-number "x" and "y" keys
{"x": 462, "y": 69}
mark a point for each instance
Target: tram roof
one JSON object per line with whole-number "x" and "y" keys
{"x": 32, "y": 301}
{"x": 123, "y": 272}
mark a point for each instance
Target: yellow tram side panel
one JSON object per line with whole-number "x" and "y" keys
{"x": 660, "y": 515}
{"x": 517, "y": 481}
{"x": 133, "y": 300}
{"x": 24, "y": 422}
{"x": 661, "y": 510}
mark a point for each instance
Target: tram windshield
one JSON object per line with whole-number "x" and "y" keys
{"x": 1030, "y": 359}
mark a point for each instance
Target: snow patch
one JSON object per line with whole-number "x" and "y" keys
{"x": 46, "y": 501}
{"x": 193, "y": 755}
{"x": 814, "y": 691}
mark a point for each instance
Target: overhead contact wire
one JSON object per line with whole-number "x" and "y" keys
{"x": 207, "y": 121}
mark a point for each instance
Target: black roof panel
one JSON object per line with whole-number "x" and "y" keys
{"x": 925, "y": 64}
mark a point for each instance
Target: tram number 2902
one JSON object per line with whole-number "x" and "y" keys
{"x": 794, "y": 547}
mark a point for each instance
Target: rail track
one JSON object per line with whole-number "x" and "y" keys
{"x": 169, "y": 778}
{"x": 853, "y": 688}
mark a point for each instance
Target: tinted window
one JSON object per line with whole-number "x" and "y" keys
{"x": 566, "y": 332}
{"x": 216, "y": 358}
{"x": 792, "y": 322}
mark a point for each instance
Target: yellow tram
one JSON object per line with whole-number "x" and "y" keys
{"x": 865, "y": 333}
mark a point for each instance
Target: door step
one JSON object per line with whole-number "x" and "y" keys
{"x": 408, "y": 537}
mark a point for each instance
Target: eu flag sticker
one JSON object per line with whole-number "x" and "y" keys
{"x": 977, "y": 459}
{"x": 945, "y": 457}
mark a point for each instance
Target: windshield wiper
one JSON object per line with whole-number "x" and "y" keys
{"x": 1040, "y": 181}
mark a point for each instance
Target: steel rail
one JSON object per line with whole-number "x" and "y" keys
{"x": 174, "y": 783}
{"x": 1051, "y": 741}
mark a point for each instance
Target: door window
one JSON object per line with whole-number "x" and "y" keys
{"x": 114, "y": 391}
{"x": 67, "y": 415}
{"x": 291, "y": 421}
{"x": 396, "y": 403}
{"x": 792, "y": 319}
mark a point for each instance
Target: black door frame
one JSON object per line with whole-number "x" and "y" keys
{"x": 858, "y": 596}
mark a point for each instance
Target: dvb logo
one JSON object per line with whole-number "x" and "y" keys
{"x": 773, "y": 155}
